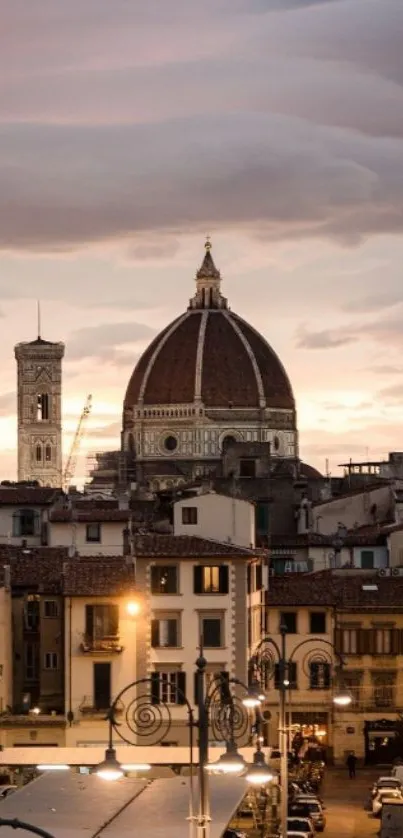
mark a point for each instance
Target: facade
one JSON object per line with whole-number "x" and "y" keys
{"x": 195, "y": 593}
{"x": 366, "y": 506}
{"x": 24, "y": 514}
{"x": 89, "y": 529}
{"x": 39, "y": 393}
{"x": 207, "y": 380}
{"x": 361, "y": 616}
{"x": 363, "y": 549}
{"x": 100, "y": 643}
{"x": 224, "y": 518}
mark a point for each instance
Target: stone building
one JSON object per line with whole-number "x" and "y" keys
{"x": 39, "y": 393}
{"x": 209, "y": 379}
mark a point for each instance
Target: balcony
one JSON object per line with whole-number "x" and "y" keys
{"x": 106, "y": 645}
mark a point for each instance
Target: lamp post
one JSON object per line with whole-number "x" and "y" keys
{"x": 262, "y": 664}
{"x": 147, "y": 713}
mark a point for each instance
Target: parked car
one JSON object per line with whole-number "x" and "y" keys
{"x": 234, "y": 833}
{"x": 292, "y": 834}
{"x": 381, "y": 796}
{"x": 386, "y": 783}
{"x": 303, "y": 825}
{"x": 315, "y": 809}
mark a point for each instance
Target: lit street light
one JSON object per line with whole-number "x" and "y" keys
{"x": 228, "y": 723}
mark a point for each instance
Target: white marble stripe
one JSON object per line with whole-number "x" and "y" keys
{"x": 251, "y": 355}
{"x": 157, "y": 350}
{"x": 199, "y": 356}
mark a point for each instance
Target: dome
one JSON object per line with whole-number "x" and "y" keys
{"x": 210, "y": 356}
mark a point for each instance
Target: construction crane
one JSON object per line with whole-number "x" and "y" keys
{"x": 70, "y": 469}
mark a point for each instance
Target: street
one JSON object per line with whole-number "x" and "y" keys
{"x": 345, "y": 799}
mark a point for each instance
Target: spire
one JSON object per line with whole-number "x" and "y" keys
{"x": 208, "y": 281}
{"x": 208, "y": 269}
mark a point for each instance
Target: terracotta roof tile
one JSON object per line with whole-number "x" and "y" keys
{"x": 343, "y": 590}
{"x": 105, "y": 577}
{"x": 184, "y": 546}
{"x": 28, "y": 495}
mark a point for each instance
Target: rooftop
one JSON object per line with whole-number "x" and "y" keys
{"x": 186, "y": 546}
{"x": 349, "y": 591}
{"x": 105, "y": 577}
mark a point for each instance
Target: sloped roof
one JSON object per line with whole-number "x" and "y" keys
{"x": 105, "y": 577}
{"x": 356, "y": 590}
{"x": 184, "y": 546}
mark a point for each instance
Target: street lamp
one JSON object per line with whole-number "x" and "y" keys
{"x": 148, "y": 715}
{"x": 259, "y": 773}
{"x": 110, "y": 769}
{"x": 262, "y": 663}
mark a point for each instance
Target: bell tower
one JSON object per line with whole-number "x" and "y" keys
{"x": 39, "y": 394}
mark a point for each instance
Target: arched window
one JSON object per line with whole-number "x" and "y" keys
{"x": 38, "y": 453}
{"x": 48, "y": 453}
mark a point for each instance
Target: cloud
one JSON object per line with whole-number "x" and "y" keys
{"x": 374, "y": 302}
{"x": 387, "y": 369}
{"x": 393, "y": 393}
{"x": 387, "y": 331}
{"x": 111, "y": 431}
{"x": 126, "y": 119}
{"x": 96, "y": 183}
{"x": 104, "y": 341}
{"x": 324, "y": 339}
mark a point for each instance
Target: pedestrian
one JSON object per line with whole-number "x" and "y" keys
{"x": 351, "y": 763}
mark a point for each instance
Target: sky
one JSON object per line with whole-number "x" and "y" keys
{"x": 130, "y": 130}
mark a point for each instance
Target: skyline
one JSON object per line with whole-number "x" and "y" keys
{"x": 127, "y": 134}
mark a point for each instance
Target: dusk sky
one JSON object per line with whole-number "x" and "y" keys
{"x": 129, "y": 130}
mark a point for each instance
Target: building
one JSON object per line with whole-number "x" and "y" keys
{"x": 35, "y": 712}
{"x": 88, "y": 527}
{"x": 361, "y": 613}
{"x": 39, "y": 394}
{"x": 224, "y": 518}
{"x": 207, "y": 380}
{"x": 195, "y": 594}
{"x": 24, "y": 512}
{"x": 101, "y": 639}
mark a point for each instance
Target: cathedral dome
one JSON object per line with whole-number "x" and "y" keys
{"x": 210, "y": 356}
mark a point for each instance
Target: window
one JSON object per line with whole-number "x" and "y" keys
{"x": 102, "y": 686}
{"x": 31, "y": 660}
{"x": 93, "y": 533}
{"x": 48, "y": 453}
{"x": 168, "y": 687}
{"x": 165, "y": 632}
{"x": 289, "y": 620}
{"x": 212, "y": 632}
{"x": 349, "y": 641}
{"x": 189, "y": 514}
{"x": 247, "y": 468}
{"x": 38, "y": 453}
{"x": 31, "y": 613}
{"x": 383, "y": 641}
{"x": 51, "y": 660}
{"x": 214, "y": 678}
{"x": 367, "y": 559}
{"x": 211, "y": 579}
{"x": 289, "y": 675}
{"x": 51, "y": 608}
{"x": 164, "y": 579}
{"x": 317, "y": 622}
{"x": 319, "y": 675}
{"x": 26, "y": 522}
{"x": 384, "y": 688}
{"x": 101, "y": 621}
{"x": 42, "y": 407}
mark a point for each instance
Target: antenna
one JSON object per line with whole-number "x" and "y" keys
{"x": 38, "y": 307}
